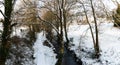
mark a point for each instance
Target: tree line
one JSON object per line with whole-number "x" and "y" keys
{"x": 51, "y": 15}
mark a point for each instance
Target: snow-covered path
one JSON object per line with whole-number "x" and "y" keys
{"x": 43, "y": 54}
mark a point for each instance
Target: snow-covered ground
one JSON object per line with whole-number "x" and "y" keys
{"x": 109, "y": 41}
{"x": 43, "y": 54}
{"x": 80, "y": 35}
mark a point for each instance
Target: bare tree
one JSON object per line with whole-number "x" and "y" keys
{"x": 88, "y": 23}
{"x": 54, "y": 9}
{"x": 96, "y": 37}
{"x": 97, "y": 50}
{"x": 116, "y": 16}
{"x": 7, "y": 29}
{"x": 61, "y": 10}
{"x": 27, "y": 15}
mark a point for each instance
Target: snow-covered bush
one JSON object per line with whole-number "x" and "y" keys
{"x": 21, "y": 52}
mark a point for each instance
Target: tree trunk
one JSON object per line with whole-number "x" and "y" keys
{"x": 4, "y": 48}
{"x": 89, "y": 24}
{"x": 60, "y": 50}
{"x": 60, "y": 36}
{"x": 97, "y": 50}
{"x": 65, "y": 28}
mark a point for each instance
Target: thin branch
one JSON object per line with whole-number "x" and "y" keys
{"x": 3, "y": 14}
{"x": 88, "y": 22}
{"x": 50, "y": 24}
{"x": 50, "y": 9}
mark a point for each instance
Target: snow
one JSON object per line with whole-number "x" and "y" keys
{"x": 20, "y": 31}
{"x": 109, "y": 4}
{"x": 43, "y": 54}
{"x": 109, "y": 40}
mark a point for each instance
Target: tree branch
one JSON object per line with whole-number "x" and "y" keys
{"x": 3, "y": 14}
{"x": 50, "y": 24}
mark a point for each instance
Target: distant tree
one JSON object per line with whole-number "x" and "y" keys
{"x": 116, "y": 17}
{"x": 49, "y": 20}
{"x": 27, "y": 15}
{"x": 50, "y": 17}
